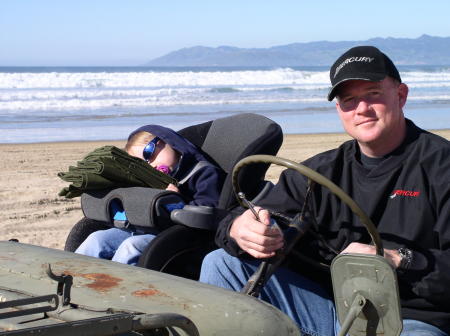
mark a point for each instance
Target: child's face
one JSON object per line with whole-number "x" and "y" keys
{"x": 164, "y": 155}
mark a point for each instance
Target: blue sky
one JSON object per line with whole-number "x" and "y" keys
{"x": 132, "y": 32}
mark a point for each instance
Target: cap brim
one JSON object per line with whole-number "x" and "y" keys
{"x": 373, "y": 78}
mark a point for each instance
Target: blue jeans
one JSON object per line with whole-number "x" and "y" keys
{"x": 419, "y": 328}
{"x": 292, "y": 294}
{"x": 302, "y": 300}
{"x": 115, "y": 244}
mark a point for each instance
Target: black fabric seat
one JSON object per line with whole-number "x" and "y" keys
{"x": 179, "y": 249}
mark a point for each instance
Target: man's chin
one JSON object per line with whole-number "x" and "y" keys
{"x": 368, "y": 135}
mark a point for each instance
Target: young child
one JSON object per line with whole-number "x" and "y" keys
{"x": 200, "y": 182}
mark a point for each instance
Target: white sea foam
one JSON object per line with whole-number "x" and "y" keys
{"x": 430, "y": 98}
{"x": 44, "y": 94}
{"x": 423, "y": 76}
{"x": 79, "y": 101}
{"x": 285, "y": 76}
{"x": 160, "y": 79}
{"x": 91, "y": 90}
{"x": 80, "y": 104}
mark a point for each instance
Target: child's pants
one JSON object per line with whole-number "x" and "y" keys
{"x": 115, "y": 244}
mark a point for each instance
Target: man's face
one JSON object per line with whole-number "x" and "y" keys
{"x": 371, "y": 112}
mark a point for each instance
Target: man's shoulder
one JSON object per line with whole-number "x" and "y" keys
{"x": 427, "y": 138}
{"x": 435, "y": 141}
{"x": 432, "y": 153}
{"x": 430, "y": 145}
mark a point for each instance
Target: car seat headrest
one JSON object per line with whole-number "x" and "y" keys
{"x": 227, "y": 140}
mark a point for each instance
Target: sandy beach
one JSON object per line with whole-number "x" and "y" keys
{"x": 32, "y": 211}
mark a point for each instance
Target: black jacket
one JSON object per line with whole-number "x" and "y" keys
{"x": 407, "y": 196}
{"x": 204, "y": 186}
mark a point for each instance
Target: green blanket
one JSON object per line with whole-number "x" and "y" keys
{"x": 109, "y": 167}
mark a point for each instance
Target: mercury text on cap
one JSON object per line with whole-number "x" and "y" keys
{"x": 353, "y": 59}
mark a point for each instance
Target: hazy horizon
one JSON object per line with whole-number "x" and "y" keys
{"x": 114, "y": 33}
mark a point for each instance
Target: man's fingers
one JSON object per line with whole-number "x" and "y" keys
{"x": 264, "y": 246}
{"x": 259, "y": 251}
{"x": 264, "y": 215}
{"x": 359, "y": 248}
{"x": 269, "y": 242}
{"x": 259, "y": 255}
{"x": 256, "y": 237}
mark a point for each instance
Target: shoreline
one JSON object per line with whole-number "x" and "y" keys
{"x": 442, "y": 132}
{"x": 32, "y": 211}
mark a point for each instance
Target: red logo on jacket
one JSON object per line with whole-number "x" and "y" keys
{"x": 405, "y": 193}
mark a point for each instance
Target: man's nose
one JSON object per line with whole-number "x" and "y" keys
{"x": 362, "y": 105}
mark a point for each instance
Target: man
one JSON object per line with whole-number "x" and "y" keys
{"x": 398, "y": 173}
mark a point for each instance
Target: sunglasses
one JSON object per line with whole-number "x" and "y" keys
{"x": 149, "y": 150}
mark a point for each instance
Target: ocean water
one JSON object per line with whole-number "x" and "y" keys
{"x": 41, "y": 104}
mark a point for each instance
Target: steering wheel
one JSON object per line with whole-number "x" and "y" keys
{"x": 365, "y": 286}
{"x": 256, "y": 282}
{"x": 316, "y": 177}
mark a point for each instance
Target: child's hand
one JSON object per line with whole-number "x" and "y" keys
{"x": 172, "y": 187}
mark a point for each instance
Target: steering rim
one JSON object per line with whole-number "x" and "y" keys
{"x": 316, "y": 177}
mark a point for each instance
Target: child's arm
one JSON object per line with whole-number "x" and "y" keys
{"x": 206, "y": 185}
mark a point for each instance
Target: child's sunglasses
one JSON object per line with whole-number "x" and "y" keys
{"x": 149, "y": 150}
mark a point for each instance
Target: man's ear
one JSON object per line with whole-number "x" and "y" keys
{"x": 402, "y": 94}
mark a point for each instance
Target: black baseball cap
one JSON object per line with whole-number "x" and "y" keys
{"x": 361, "y": 63}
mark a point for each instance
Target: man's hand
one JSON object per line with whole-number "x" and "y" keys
{"x": 392, "y": 256}
{"x": 258, "y": 239}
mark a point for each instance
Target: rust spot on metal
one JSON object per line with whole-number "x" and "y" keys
{"x": 101, "y": 282}
{"x": 151, "y": 291}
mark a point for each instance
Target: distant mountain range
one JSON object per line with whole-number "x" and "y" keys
{"x": 424, "y": 50}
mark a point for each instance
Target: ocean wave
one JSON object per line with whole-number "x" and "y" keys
{"x": 285, "y": 77}
{"x": 48, "y": 94}
{"x": 428, "y": 85}
{"x": 82, "y": 99}
{"x": 224, "y": 90}
{"x": 160, "y": 79}
{"x": 83, "y": 104}
{"x": 426, "y": 77}
{"x": 429, "y": 98}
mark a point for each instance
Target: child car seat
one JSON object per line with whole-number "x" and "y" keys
{"x": 179, "y": 248}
